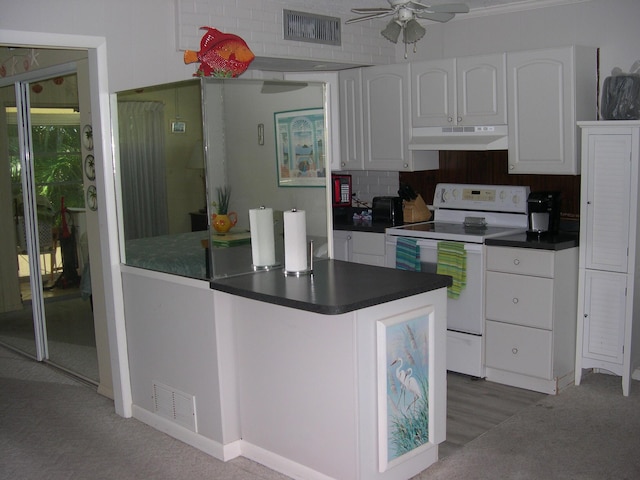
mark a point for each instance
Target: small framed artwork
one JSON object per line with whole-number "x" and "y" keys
{"x": 87, "y": 137}
{"x": 90, "y": 167}
{"x": 92, "y": 198}
{"x": 178, "y": 127}
{"x": 405, "y": 370}
{"x": 300, "y": 148}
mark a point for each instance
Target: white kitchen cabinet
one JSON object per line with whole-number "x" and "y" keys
{"x": 548, "y": 91}
{"x": 359, "y": 247}
{"x": 459, "y": 91}
{"x": 609, "y": 298}
{"x": 530, "y": 308}
{"x": 351, "y": 140}
{"x": 342, "y": 245}
{"x": 386, "y": 117}
{"x": 375, "y": 118}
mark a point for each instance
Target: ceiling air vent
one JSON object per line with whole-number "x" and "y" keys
{"x": 309, "y": 27}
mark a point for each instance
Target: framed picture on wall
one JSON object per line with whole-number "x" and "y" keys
{"x": 300, "y": 148}
{"x": 405, "y": 372}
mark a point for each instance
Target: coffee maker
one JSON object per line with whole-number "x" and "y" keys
{"x": 544, "y": 213}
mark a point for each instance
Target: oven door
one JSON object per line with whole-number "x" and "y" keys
{"x": 465, "y": 313}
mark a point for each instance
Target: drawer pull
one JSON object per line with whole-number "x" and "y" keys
{"x": 516, "y": 261}
{"x": 515, "y": 300}
{"x": 514, "y": 350}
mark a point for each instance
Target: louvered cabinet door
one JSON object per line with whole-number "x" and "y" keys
{"x": 607, "y": 202}
{"x": 605, "y": 315}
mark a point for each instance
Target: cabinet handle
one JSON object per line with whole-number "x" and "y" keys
{"x": 515, "y": 300}
{"x": 405, "y": 165}
{"x": 516, "y": 261}
{"x": 459, "y": 119}
{"x": 514, "y": 350}
{"x": 449, "y": 119}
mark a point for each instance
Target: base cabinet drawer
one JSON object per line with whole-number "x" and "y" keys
{"x": 523, "y": 350}
{"x": 519, "y": 299}
{"x": 523, "y": 261}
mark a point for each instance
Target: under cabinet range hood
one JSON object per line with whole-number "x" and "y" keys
{"x": 460, "y": 138}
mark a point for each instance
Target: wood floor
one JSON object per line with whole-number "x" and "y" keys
{"x": 474, "y": 406}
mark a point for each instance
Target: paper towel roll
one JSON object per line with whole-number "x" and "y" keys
{"x": 295, "y": 241}
{"x": 263, "y": 250}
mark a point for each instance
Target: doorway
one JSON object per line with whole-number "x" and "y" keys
{"x": 50, "y": 316}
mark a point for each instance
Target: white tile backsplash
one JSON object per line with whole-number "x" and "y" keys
{"x": 368, "y": 184}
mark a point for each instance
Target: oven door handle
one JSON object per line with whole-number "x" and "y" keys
{"x": 469, "y": 247}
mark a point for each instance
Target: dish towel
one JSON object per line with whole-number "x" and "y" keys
{"x": 452, "y": 261}
{"x": 407, "y": 254}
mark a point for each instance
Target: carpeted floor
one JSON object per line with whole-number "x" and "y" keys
{"x": 53, "y": 427}
{"x": 590, "y": 432}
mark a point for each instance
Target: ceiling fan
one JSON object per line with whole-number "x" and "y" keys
{"x": 405, "y": 13}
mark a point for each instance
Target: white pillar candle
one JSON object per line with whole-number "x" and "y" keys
{"x": 295, "y": 241}
{"x": 263, "y": 250}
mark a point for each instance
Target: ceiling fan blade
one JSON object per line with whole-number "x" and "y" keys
{"x": 366, "y": 11}
{"x": 436, "y": 17}
{"x": 368, "y": 17}
{"x": 450, "y": 8}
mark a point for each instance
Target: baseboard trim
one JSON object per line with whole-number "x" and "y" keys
{"x": 280, "y": 464}
{"x": 207, "y": 445}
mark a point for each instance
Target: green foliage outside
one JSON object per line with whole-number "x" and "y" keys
{"x": 58, "y": 164}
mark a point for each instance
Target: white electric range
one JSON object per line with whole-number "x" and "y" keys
{"x": 467, "y": 214}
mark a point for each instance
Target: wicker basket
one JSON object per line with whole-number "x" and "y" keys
{"x": 415, "y": 210}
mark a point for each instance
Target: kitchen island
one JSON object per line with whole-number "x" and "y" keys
{"x": 329, "y": 365}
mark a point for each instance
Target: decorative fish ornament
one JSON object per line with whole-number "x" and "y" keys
{"x": 221, "y": 55}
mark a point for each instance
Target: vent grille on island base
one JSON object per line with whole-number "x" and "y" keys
{"x": 309, "y": 27}
{"x": 176, "y": 406}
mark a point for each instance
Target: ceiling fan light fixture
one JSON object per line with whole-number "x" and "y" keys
{"x": 392, "y": 31}
{"x": 413, "y": 31}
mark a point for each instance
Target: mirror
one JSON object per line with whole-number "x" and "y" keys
{"x": 182, "y": 144}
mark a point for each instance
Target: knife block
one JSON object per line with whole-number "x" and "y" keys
{"x": 415, "y": 210}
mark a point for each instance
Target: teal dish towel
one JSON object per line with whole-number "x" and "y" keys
{"x": 452, "y": 261}
{"x": 407, "y": 254}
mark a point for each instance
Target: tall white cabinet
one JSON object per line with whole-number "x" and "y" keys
{"x": 608, "y": 335}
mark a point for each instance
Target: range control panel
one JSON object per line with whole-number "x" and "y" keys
{"x": 490, "y": 198}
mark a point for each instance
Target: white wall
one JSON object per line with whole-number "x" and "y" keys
{"x": 142, "y": 37}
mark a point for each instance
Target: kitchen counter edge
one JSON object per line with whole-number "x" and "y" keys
{"x": 560, "y": 241}
{"x": 336, "y": 287}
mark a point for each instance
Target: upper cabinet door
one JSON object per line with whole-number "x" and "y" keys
{"x": 481, "y": 90}
{"x": 548, "y": 92}
{"x": 433, "y": 93}
{"x": 386, "y": 117}
{"x": 462, "y": 91}
{"x": 351, "y": 146}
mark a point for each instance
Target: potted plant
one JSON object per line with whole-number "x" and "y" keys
{"x": 223, "y": 220}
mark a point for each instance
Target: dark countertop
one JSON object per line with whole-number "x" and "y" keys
{"x": 335, "y": 287}
{"x": 558, "y": 241}
{"x": 371, "y": 227}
